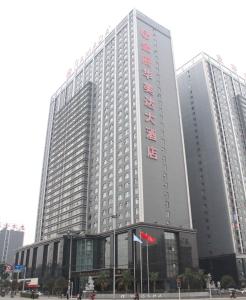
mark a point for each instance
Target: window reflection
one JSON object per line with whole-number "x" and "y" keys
{"x": 84, "y": 259}
{"x": 107, "y": 252}
{"x": 122, "y": 251}
{"x": 171, "y": 254}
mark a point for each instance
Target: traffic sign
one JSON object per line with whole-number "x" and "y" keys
{"x": 19, "y": 268}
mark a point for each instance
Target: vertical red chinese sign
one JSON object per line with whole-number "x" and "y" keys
{"x": 149, "y": 101}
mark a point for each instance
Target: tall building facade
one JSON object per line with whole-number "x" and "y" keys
{"x": 114, "y": 167}
{"x": 11, "y": 238}
{"x": 114, "y": 142}
{"x": 213, "y": 102}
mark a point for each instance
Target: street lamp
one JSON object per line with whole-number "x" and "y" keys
{"x": 209, "y": 284}
{"x": 69, "y": 233}
{"x": 114, "y": 217}
{"x": 24, "y": 279}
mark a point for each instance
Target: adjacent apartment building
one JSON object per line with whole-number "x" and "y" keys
{"x": 11, "y": 238}
{"x": 114, "y": 161}
{"x": 213, "y": 104}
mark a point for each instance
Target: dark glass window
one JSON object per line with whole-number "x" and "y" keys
{"x": 22, "y": 258}
{"x": 34, "y": 261}
{"x": 44, "y": 260}
{"x": 171, "y": 250}
{"x": 27, "y": 257}
{"x": 107, "y": 252}
{"x": 16, "y": 258}
{"x": 122, "y": 251}
{"x": 55, "y": 253}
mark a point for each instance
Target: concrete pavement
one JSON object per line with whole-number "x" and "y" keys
{"x": 17, "y": 297}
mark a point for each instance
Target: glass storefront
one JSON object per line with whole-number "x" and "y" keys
{"x": 168, "y": 256}
{"x": 84, "y": 255}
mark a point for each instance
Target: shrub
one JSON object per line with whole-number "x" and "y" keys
{"x": 227, "y": 282}
{"x": 28, "y": 295}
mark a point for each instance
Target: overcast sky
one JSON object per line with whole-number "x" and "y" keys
{"x": 40, "y": 41}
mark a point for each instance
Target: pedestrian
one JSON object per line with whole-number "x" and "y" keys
{"x": 32, "y": 294}
{"x": 233, "y": 294}
{"x": 136, "y": 296}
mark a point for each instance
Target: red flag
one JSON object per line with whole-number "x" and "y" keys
{"x": 147, "y": 237}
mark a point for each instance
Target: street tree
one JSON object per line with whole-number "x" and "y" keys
{"x": 125, "y": 280}
{"x": 153, "y": 276}
{"x": 60, "y": 284}
{"x": 102, "y": 280}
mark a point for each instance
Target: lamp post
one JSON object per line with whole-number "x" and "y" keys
{"x": 24, "y": 279}
{"x": 209, "y": 285}
{"x": 69, "y": 234}
{"x": 114, "y": 217}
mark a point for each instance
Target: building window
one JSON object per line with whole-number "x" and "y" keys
{"x": 171, "y": 250}
{"x": 84, "y": 259}
{"x": 122, "y": 254}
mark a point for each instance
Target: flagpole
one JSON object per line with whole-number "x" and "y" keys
{"x": 134, "y": 265}
{"x": 141, "y": 270}
{"x": 148, "y": 264}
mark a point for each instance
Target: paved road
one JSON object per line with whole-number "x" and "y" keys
{"x": 17, "y": 297}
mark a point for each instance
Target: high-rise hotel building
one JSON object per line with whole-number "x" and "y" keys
{"x": 213, "y": 104}
{"x": 114, "y": 165}
{"x": 114, "y": 141}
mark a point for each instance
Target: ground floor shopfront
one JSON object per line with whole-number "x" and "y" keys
{"x": 226, "y": 264}
{"x": 148, "y": 265}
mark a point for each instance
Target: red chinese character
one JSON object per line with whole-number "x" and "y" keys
{"x": 149, "y": 102}
{"x": 146, "y": 60}
{"x": 146, "y": 47}
{"x": 147, "y": 73}
{"x": 148, "y": 88}
{"x": 151, "y": 134}
{"x": 152, "y": 152}
{"x": 150, "y": 118}
{"x": 145, "y": 34}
